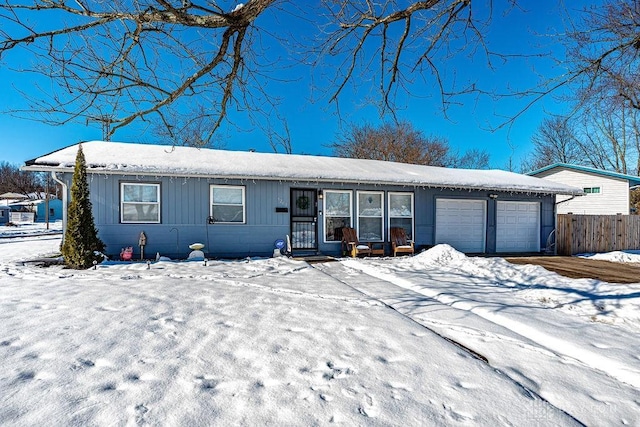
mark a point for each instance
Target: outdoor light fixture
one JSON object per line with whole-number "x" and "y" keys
{"x": 320, "y": 194}
{"x": 493, "y": 196}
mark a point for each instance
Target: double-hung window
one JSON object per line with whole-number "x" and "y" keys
{"x": 228, "y": 204}
{"x": 337, "y": 214}
{"x": 139, "y": 203}
{"x": 370, "y": 216}
{"x": 401, "y": 212}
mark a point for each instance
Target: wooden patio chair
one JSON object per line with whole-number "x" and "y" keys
{"x": 351, "y": 245}
{"x": 399, "y": 241}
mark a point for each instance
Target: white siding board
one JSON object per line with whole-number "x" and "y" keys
{"x": 612, "y": 199}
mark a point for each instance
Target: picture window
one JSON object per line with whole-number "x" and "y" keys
{"x": 337, "y": 214}
{"x": 228, "y": 204}
{"x": 139, "y": 203}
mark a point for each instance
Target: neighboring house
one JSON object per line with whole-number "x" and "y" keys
{"x": 39, "y": 208}
{"x": 239, "y": 203}
{"x": 606, "y": 193}
{"x": 54, "y": 207}
{"x": 4, "y": 214}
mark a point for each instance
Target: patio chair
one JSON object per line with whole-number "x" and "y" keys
{"x": 399, "y": 241}
{"x": 352, "y": 246}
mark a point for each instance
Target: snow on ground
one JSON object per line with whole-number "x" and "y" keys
{"x": 574, "y": 342}
{"x": 29, "y": 229}
{"x": 276, "y": 341}
{"x": 615, "y": 256}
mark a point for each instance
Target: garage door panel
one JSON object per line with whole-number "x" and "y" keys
{"x": 461, "y": 224}
{"x": 518, "y": 226}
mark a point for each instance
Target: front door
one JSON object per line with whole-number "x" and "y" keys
{"x": 304, "y": 219}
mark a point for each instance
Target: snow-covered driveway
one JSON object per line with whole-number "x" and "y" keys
{"x": 278, "y": 342}
{"x": 573, "y": 342}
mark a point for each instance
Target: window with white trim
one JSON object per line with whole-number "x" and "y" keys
{"x": 228, "y": 204}
{"x": 591, "y": 190}
{"x": 371, "y": 216}
{"x": 139, "y": 203}
{"x": 337, "y": 214}
{"x": 401, "y": 212}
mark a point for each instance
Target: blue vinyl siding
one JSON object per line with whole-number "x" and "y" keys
{"x": 184, "y": 209}
{"x": 4, "y": 217}
{"x": 55, "y": 210}
{"x": 185, "y": 206}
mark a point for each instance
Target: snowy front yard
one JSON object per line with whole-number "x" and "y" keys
{"x": 279, "y": 342}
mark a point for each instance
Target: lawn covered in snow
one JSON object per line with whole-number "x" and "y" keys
{"x": 378, "y": 341}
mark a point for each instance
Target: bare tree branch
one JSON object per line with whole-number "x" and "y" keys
{"x": 120, "y": 62}
{"x": 367, "y": 28}
{"x": 129, "y": 61}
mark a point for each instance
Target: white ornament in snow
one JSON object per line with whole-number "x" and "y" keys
{"x": 196, "y": 256}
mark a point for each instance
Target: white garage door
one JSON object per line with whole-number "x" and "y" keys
{"x": 518, "y": 227}
{"x": 461, "y": 224}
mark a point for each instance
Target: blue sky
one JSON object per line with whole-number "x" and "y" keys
{"x": 314, "y": 125}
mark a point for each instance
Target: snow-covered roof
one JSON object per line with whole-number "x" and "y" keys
{"x": 13, "y": 196}
{"x": 30, "y": 202}
{"x": 162, "y": 160}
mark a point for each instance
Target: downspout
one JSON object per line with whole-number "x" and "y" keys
{"x": 64, "y": 202}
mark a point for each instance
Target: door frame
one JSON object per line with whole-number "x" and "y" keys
{"x": 300, "y": 214}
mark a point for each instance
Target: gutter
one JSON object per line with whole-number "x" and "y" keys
{"x": 64, "y": 202}
{"x": 569, "y": 199}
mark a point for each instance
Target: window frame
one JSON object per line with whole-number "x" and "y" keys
{"x": 382, "y": 214}
{"x": 140, "y": 184}
{"x": 243, "y": 204}
{"x": 590, "y": 190}
{"x": 413, "y": 212}
{"x": 326, "y": 216}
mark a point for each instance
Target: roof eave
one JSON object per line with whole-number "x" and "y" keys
{"x": 64, "y": 169}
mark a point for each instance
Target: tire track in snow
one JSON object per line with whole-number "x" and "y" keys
{"x": 528, "y": 391}
{"x": 463, "y": 347}
{"x": 619, "y": 371}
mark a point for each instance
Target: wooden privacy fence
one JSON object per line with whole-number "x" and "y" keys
{"x": 577, "y": 234}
